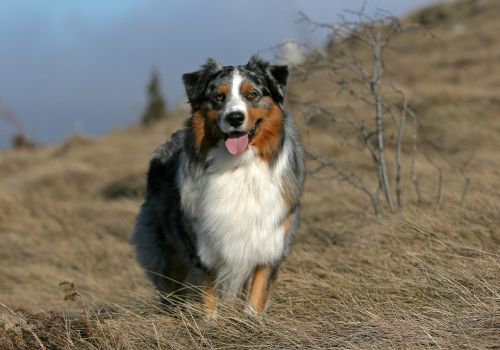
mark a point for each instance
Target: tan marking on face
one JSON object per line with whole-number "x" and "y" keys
{"x": 246, "y": 87}
{"x": 203, "y": 125}
{"x": 224, "y": 89}
{"x": 212, "y": 115}
{"x": 199, "y": 128}
{"x": 268, "y": 136}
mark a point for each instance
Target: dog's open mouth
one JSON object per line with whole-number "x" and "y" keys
{"x": 237, "y": 142}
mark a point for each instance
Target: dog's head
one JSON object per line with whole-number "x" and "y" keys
{"x": 240, "y": 104}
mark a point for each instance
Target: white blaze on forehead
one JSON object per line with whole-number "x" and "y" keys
{"x": 236, "y": 103}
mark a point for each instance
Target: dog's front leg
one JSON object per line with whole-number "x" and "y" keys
{"x": 209, "y": 297}
{"x": 263, "y": 280}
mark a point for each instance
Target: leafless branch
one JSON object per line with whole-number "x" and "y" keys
{"x": 343, "y": 174}
{"x": 413, "y": 171}
{"x": 7, "y": 115}
{"x": 465, "y": 177}
{"x": 400, "y": 126}
{"x": 361, "y": 81}
{"x": 19, "y": 139}
{"x": 439, "y": 191}
{"x": 461, "y": 168}
{"x": 376, "y": 94}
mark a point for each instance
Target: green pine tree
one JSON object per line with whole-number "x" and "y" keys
{"x": 156, "y": 108}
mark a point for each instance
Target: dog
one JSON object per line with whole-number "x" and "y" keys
{"x": 223, "y": 194}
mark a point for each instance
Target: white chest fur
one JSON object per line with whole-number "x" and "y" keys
{"x": 237, "y": 209}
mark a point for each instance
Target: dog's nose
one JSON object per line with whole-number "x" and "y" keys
{"x": 235, "y": 118}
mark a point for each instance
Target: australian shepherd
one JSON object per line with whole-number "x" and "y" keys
{"x": 222, "y": 202}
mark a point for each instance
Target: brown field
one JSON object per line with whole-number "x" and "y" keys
{"x": 425, "y": 277}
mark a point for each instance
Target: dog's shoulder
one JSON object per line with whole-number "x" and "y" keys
{"x": 164, "y": 163}
{"x": 170, "y": 147}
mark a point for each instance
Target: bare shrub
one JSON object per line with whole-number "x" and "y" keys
{"x": 374, "y": 114}
{"x": 19, "y": 139}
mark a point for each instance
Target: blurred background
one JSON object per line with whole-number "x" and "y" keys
{"x": 82, "y": 66}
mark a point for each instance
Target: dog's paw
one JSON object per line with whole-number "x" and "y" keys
{"x": 210, "y": 317}
{"x": 253, "y": 313}
{"x": 250, "y": 311}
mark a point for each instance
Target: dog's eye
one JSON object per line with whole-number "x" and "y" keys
{"x": 218, "y": 98}
{"x": 252, "y": 95}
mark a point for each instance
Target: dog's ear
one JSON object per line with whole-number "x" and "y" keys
{"x": 277, "y": 76}
{"x": 280, "y": 74}
{"x": 257, "y": 63}
{"x": 195, "y": 83}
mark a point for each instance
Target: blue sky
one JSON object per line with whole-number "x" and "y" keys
{"x": 68, "y": 65}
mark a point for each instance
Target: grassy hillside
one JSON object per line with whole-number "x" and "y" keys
{"x": 425, "y": 277}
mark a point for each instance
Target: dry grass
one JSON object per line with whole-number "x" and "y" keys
{"x": 422, "y": 278}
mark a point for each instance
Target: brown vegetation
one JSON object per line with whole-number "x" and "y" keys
{"x": 425, "y": 277}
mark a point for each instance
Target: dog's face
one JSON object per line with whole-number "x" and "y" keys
{"x": 236, "y": 103}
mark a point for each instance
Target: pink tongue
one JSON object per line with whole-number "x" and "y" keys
{"x": 237, "y": 145}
